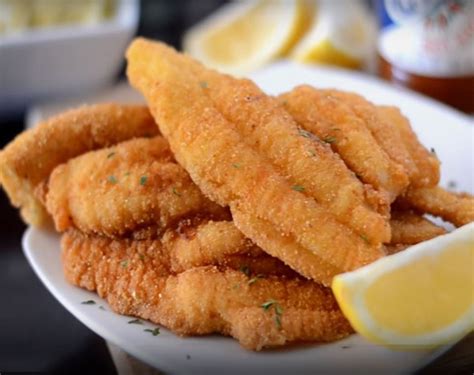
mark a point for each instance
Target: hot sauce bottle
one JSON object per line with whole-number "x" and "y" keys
{"x": 428, "y": 46}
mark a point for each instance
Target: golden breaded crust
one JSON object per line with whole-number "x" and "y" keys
{"x": 428, "y": 171}
{"x": 385, "y": 133}
{"x": 410, "y": 228}
{"x": 136, "y": 280}
{"x": 28, "y": 160}
{"x": 457, "y": 208}
{"x": 230, "y": 170}
{"x": 333, "y": 120}
{"x": 124, "y": 188}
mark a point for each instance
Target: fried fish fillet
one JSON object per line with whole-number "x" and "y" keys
{"x": 234, "y": 172}
{"x": 131, "y": 186}
{"x": 408, "y": 228}
{"x": 334, "y": 121}
{"x": 385, "y": 133}
{"x": 428, "y": 172}
{"x": 137, "y": 279}
{"x": 307, "y": 162}
{"x": 27, "y": 161}
{"x": 457, "y": 208}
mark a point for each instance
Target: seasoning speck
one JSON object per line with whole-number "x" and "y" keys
{"x": 88, "y": 302}
{"x": 245, "y": 270}
{"x": 298, "y": 188}
{"x": 176, "y": 192}
{"x": 364, "y": 237}
{"x": 203, "y": 84}
{"x": 143, "y": 180}
{"x": 330, "y": 140}
{"x": 154, "y": 332}
{"x": 110, "y": 155}
{"x": 112, "y": 179}
{"x": 135, "y": 321}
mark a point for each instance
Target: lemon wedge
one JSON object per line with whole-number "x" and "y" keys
{"x": 243, "y": 36}
{"x": 342, "y": 33}
{"x": 420, "y": 298}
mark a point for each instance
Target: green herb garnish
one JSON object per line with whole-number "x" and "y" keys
{"x": 452, "y": 184}
{"x": 364, "y": 237}
{"x": 154, "y": 332}
{"x": 236, "y": 165}
{"x": 135, "y": 321}
{"x": 245, "y": 270}
{"x": 143, "y": 180}
{"x": 176, "y": 192}
{"x": 110, "y": 155}
{"x": 112, "y": 179}
{"x": 127, "y": 174}
{"x": 305, "y": 133}
{"x": 142, "y": 257}
{"x": 266, "y": 306}
{"x": 124, "y": 263}
{"x": 203, "y": 84}
{"x": 330, "y": 140}
{"x": 253, "y": 280}
{"x": 102, "y": 308}
{"x": 298, "y": 188}
{"x": 88, "y": 302}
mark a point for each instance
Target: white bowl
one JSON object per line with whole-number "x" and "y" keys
{"x": 58, "y": 61}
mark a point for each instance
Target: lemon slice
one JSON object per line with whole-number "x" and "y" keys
{"x": 243, "y": 36}
{"x": 420, "y": 298}
{"x": 342, "y": 33}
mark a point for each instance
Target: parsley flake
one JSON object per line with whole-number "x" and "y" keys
{"x": 298, "y": 188}
{"x": 135, "y": 321}
{"x": 268, "y": 304}
{"x": 112, "y": 179}
{"x": 330, "y": 140}
{"x": 142, "y": 257}
{"x": 110, "y": 155}
{"x": 154, "y": 332}
{"x": 102, "y": 308}
{"x": 305, "y": 133}
{"x": 452, "y": 184}
{"x": 127, "y": 174}
{"x": 253, "y": 280}
{"x": 236, "y": 165}
{"x": 277, "y": 308}
{"x": 143, "y": 180}
{"x": 203, "y": 84}
{"x": 124, "y": 263}
{"x": 245, "y": 270}
{"x": 176, "y": 192}
{"x": 88, "y": 302}
{"x": 364, "y": 237}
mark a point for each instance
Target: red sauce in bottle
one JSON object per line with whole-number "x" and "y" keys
{"x": 430, "y": 48}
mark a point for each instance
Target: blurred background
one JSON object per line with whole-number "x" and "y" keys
{"x": 57, "y": 50}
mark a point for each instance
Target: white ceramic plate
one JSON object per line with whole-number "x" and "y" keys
{"x": 450, "y": 133}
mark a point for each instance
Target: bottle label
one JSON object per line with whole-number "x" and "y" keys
{"x": 432, "y": 38}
